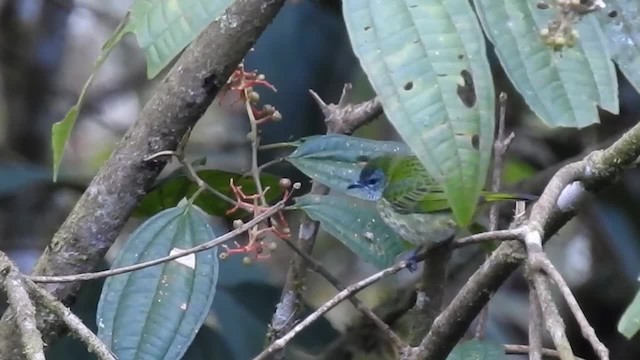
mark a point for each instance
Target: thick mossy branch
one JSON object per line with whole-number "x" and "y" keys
{"x": 177, "y": 104}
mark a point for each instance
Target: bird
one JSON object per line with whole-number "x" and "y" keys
{"x": 410, "y": 201}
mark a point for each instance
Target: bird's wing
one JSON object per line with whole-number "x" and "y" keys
{"x": 411, "y": 189}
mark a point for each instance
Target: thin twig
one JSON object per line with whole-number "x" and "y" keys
{"x": 500, "y": 147}
{"x": 535, "y": 325}
{"x": 430, "y": 293}
{"x": 587, "y": 330}
{"x": 191, "y": 173}
{"x": 202, "y": 247}
{"x": 270, "y": 163}
{"x": 317, "y": 267}
{"x": 498, "y": 235}
{"x": 74, "y": 323}
{"x": 281, "y": 145}
{"x": 510, "y": 349}
{"x": 255, "y": 143}
{"x": 25, "y": 316}
{"x": 552, "y": 320}
{"x": 341, "y": 296}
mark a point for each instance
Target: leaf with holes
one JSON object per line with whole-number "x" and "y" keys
{"x": 426, "y": 59}
{"x": 169, "y": 191}
{"x": 155, "y": 313}
{"x": 357, "y": 225}
{"x": 165, "y": 27}
{"x": 333, "y": 159}
{"x": 564, "y": 87}
{"x": 620, "y": 21}
{"x": 629, "y": 323}
{"x": 477, "y": 350}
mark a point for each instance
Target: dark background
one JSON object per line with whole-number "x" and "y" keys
{"x": 47, "y": 49}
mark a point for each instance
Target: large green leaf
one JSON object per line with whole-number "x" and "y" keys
{"x": 477, "y": 350}
{"x": 620, "y": 21}
{"x": 357, "y": 225}
{"x": 426, "y": 59}
{"x": 564, "y": 87}
{"x": 168, "y": 192}
{"x": 333, "y": 159}
{"x": 154, "y": 313}
{"x": 165, "y": 27}
{"x": 629, "y": 323}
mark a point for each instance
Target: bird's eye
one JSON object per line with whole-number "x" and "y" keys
{"x": 372, "y": 181}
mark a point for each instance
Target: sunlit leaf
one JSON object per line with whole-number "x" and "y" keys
{"x": 516, "y": 170}
{"x": 168, "y": 192}
{"x": 357, "y": 225}
{"x": 165, "y": 27}
{"x": 333, "y": 160}
{"x": 564, "y": 87}
{"x": 427, "y": 62}
{"x": 629, "y": 323}
{"x": 155, "y": 313}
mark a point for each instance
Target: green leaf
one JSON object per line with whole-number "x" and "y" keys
{"x": 620, "y": 21}
{"x": 564, "y": 87}
{"x": 629, "y": 323}
{"x": 169, "y": 191}
{"x": 477, "y": 350}
{"x": 333, "y": 159}
{"x": 61, "y": 130}
{"x": 165, "y": 27}
{"x": 426, "y": 59}
{"x": 154, "y": 313}
{"x": 516, "y": 170}
{"x": 357, "y": 225}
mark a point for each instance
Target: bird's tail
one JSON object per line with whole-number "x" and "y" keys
{"x": 487, "y": 196}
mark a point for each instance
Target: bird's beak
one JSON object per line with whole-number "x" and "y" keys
{"x": 355, "y": 185}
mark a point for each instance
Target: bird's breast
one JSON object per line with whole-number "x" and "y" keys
{"x": 417, "y": 228}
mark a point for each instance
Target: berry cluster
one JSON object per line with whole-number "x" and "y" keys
{"x": 560, "y": 32}
{"x": 243, "y": 82}
{"x": 276, "y": 225}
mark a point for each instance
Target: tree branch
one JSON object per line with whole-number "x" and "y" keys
{"x": 535, "y": 325}
{"x": 70, "y": 319}
{"x": 177, "y": 104}
{"x": 552, "y": 320}
{"x": 430, "y": 292}
{"x": 556, "y": 206}
{"x": 500, "y": 148}
{"x": 20, "y": 303}
{"x": 23, "y": 293}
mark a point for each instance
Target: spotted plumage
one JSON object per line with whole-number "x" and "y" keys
{"x": 411, "y": 201}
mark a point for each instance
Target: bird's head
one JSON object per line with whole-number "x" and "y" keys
{"x": 372, "y": 181}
